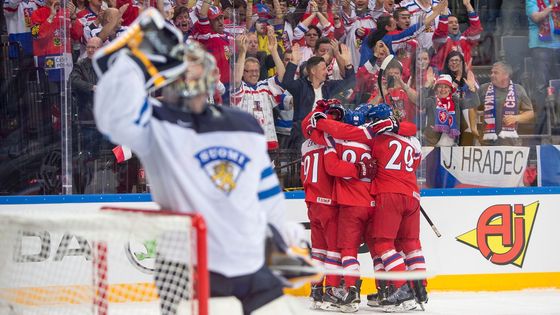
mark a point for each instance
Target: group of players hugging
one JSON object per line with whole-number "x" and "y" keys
{"x": 359, "y": 176}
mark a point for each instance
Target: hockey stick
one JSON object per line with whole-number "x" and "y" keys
{"x": 430, "y": 221}
{"x": 380, "y": 75}
{"x": 380, "y": 275}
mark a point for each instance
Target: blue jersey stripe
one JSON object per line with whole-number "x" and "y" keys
{"x": 144, "y": 109}
{"x": 267, "y": 172}
{"x": 270, "y": 192}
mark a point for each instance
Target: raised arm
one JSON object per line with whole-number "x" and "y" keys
{"x": 240, "y": 64}
{"x": 288, "y": 81}
{"x": 302, "y": 26}
{"x": 121, "y": 108}
{"x": 273, "y": 48}
{"x": 438, "y": 9}
{"x": 203, "y": 12}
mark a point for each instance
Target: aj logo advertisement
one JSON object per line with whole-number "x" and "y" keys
{"x": 503, "y": 232}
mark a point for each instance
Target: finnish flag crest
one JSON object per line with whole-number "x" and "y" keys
{"x": 223, "y": 166}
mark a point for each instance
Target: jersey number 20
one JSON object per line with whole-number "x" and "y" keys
{"x": 397, "y": 159}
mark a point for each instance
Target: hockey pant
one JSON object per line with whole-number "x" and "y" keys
{"x": 323, "y": 220}
{"x": 353, "y": 222}
{"x": 397, "y": 219}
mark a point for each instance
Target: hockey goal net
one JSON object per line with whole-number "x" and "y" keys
{"x": 108, "y": 262}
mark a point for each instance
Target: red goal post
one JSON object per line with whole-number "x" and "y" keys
{"x": 198, "y": 224}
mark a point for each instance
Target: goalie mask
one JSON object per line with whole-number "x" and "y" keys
{"x": 198, "y": 80}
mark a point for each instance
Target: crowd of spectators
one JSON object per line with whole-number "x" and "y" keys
{"x": 278, "y": 57}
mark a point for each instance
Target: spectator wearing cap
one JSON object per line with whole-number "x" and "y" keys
{"x": 209, "y": 31}
{"x": 307, "y": 50}
{"x": 443, "y": 114}
{"x": 261, "y": 27}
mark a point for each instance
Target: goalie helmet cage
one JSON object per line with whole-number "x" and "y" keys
{"x": 103, "y": 262}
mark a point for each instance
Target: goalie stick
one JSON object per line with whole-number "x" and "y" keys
{"x": 383, "y": 275}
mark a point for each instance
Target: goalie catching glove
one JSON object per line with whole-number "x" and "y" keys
{"x": 153, "y": 43}
{"x": 288, "y": 256}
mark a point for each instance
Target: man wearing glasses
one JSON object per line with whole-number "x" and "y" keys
{"x": 258, "y": 97}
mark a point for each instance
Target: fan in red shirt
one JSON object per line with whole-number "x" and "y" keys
{"x": 397, "y": 198}
{"x": 209, "y": 31}
{"x": 51, "y": 39}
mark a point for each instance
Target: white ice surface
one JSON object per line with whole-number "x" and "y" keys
{"x": 526, "y": 302}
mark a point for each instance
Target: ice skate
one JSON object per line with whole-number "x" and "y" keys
{"x": 420, "y": 293}
{"x": 331, "y": 299}
{"x": 400, "y": 300}
{"x": 351, "y": 302}
{"x": 376, "y": 299}
{"x": 316, "y": 297}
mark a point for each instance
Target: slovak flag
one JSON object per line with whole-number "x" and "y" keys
{"x": 122, "y": 153}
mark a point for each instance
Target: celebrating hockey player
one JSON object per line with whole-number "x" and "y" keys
{"x": 198, "y": 157}
{"x": 397, "y": 198}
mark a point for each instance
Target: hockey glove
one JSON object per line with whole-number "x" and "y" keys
{"x": 287, "y": 255}
{"x": 367, "y": 168}
{"x": 155, "y": 45}
{"x": 321, "y": 105}
{"x": 384, "y": 125}
{"x": 316, "y": 117}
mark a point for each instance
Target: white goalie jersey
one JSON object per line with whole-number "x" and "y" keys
{"x": 214, "y": 163}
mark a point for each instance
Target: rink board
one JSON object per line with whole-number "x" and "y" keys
{"x": 492, "y": 239}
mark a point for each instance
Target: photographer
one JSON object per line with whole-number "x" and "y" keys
{"x": 397, "y": 93}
